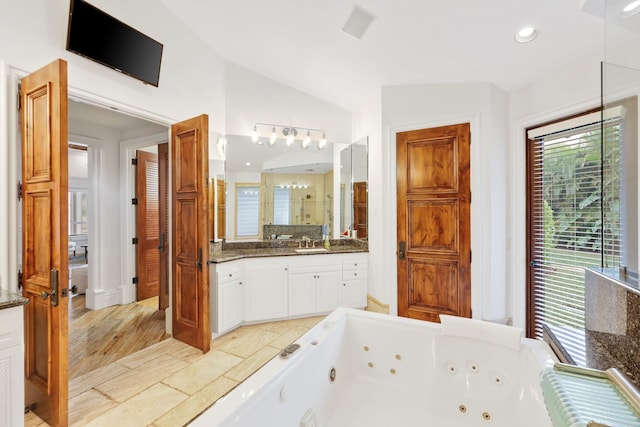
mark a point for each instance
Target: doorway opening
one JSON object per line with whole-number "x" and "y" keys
{"x": 108, "y": 321}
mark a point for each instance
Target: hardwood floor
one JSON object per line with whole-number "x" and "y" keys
{"x": 100, "y": 337}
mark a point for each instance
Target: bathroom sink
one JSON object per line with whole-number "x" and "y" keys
{"x": 309, "y": 250}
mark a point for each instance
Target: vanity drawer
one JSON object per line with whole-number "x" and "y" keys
{"x": 11, "y": 327}
{"x": 226, "y": 275}
{"x": 359, "y": 263}
{"x": 354, "y": 274}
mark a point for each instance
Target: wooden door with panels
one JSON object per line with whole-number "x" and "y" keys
{"x": 44, "y": 127}
{"x": 434, "y": 222}
{"x": 190, "y": 237}
{"x": 163, "y": 245}
{"x": 147, "y": 225}
{"x": 360, "y": 208}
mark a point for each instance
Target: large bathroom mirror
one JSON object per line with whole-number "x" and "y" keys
{"x": 276, "y": 191}
{"x": 354, "y": 171}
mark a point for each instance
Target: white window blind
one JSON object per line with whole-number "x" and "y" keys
{"x": 247, "y": 210}
{"x": 281, "y": 205}
{"x": 574, "y": 193}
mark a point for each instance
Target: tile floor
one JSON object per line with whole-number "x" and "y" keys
{"x": 170, "y": 383}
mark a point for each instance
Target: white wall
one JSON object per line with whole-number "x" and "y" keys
{"x": 34, "y": 34}
{"x": 253, "y": 98}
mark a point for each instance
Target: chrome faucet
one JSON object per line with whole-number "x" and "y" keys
{"x": 306, "y": 241}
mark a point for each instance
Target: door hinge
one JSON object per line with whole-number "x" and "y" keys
{"x": 470, "y": 256}
{"x": 19, "y": 103}
{"x": 134, "y": 280}
{"x": 134, "y": 162}
{"x": 19, "y": 191}
{"x": 134, "y": 241}
{"x": 134, "y": 201}
{"x": 20, "y": 280}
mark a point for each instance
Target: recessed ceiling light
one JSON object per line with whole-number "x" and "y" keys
{"x": 631, "y": 9}
{"x": 248, "y": 163}
{"x": 631, "y": 6}
{"x": 526, "y": 34}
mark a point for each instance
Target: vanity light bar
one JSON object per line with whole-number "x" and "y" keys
{"x": 290, "y": 133}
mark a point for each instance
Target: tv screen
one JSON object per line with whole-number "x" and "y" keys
{"x": 100, "y": 37}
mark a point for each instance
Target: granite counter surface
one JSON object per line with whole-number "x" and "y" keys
{"x": 9, "y": 299}
{"x": 585, "y": 349}
{"x": 234, "y": 251}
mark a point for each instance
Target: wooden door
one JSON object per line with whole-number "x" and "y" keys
{"x": 434, "y": 233}
{"x": 163, "y": 245}
{"x": 360, "y": 208}
{"x": 43, "y": 102}
{"x": 190, "y": 243}
{"x": 147, "y": 225}
{"x": 222, "y": 208}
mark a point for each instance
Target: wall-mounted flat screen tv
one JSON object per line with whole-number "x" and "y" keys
{"x": 100, "y": 37}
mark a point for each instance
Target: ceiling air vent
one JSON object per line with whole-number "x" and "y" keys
{"x": 358, "y": 22}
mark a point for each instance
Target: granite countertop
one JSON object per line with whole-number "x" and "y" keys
{"x": 238, "y": 250}
{"x": 9, "y": 299}
{"x": 586, "y": 349}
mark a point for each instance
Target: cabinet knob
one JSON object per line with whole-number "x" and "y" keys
{"x": 355, "y": 274}
{"x": 240, "y": 283}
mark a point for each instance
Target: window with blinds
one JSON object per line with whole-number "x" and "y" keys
{"x": 281, "y": 205}
{"x": 574, "y": 214}
{"x": 247, "y": 210}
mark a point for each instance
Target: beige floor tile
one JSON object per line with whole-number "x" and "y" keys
{"x": 32, "y": 420}
{"x": 95, "y": 378}
{"x": 249, "y": 341}
{"x": 196, "y": 404}
{"x": 292, "y": 334}
{"x": 310, "y": 322}
{"x": 142, "y": 409}
{"x": 247, "y": 367}
{"x": 197, "y": 375}
{"x": 88, "y": 406}
{"x": 130, "y": 383}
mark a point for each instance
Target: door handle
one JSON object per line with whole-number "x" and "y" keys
{"x": 401, "y": 250}
{"x": 161, "y": 243}
{"x": 53, "y": 283}
{"x": 199, "y": 261}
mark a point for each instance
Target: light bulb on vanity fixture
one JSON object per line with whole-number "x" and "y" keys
{"x": 273, "y": 138}
{"x": 290, "y": 133}
{"x": 323, "y": 142}
{"x": 306, "y": 142}
{"x": 254, "y": 134}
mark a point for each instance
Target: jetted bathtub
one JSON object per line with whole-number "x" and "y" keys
{"x": 358, "y": 369}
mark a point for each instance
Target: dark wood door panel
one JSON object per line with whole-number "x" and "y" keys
{"x": 442, "y": 174}
{"x": 190, "y": 247}
{"x": 433, "y": 226}
{"x": 44, "y": 147}
{"x": 434, "y": 223}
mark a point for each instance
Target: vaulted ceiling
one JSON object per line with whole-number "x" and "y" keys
{"x": 301, "y": 43}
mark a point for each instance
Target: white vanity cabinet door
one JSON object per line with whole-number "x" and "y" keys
{"x": 265, "y": 289}
{"x": 302, "y": 293}
{"x": 11, "y": 367}
{"x": 354, "y": 293}
{"x": 354, "y": 281}
{"x": 228, "y": 301}
{"x": 328, "y": 292}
